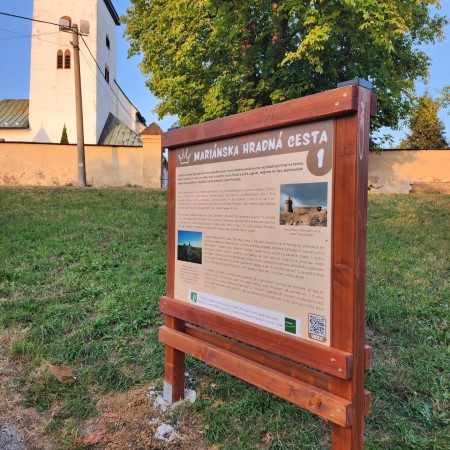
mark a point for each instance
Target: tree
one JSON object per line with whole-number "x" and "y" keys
{"x": 64, "y": 138}
{"x": 427, "y": 130}
{"x": 210, "y": 58}
{"x": 445, "y": 92}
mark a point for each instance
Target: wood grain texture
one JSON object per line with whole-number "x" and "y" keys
{"x": 349, "y": 262}
{"x": 316, "y": 400}
{"x": 171, "y": 228}
{"x": 327, "y": 104}
{"x": 327, "y": 359}
{"x": 284, "y": 366}
{"x": 174, "y": 360}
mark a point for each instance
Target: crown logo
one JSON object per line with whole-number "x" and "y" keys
{"x": 184, "y": 157}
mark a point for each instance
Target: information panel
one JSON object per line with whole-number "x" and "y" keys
{"x": 253, "y": 228}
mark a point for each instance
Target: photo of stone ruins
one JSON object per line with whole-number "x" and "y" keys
{"x": 313, "y": 216}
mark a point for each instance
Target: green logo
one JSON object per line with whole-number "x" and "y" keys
{"x": 290, "y": 325}
{"x": 194, "y": 297}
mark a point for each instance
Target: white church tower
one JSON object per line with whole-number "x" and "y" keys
{"x": 52, "y": 85}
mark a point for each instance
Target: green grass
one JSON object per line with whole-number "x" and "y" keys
{"x": 81, "y": 272}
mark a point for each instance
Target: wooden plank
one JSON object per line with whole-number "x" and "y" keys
{"x": 349, "y": 262}
{"x": 171, "y": 204}
{"x": 174, "y": 360}
{"x": 327, "y": 359}
{"x": 174, "y": 365}
{"x": 290, "y": 368}
{"x": 313, "y": 107}
{"x": 316, "y": 400}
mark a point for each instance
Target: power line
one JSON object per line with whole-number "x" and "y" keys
{"x": 106, "y": 91}
{"x": 28, "y": 18}
{"x": 20, "y": 35}
{"x": 112, "y": 90}
{"x": 93, "y": 57}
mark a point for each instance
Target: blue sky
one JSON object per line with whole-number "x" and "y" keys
{"x": 14, "y": 75}
{"x": 194, "y": 237}
{"x": 305, "y": 194}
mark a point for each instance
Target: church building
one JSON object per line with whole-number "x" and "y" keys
{"x": 109, "y": 116}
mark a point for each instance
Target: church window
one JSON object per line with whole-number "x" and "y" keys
{"x": 107, "y": 73}
{"x": 67, "y": 59}
{"x": 59, "y": 59}
{"x": 65, "y": 27}
{"x": 107, "y": 42}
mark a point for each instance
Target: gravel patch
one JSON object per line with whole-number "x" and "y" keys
{"x": 10, "y": 439}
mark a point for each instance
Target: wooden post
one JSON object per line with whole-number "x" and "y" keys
{"x": 174, "y": 360}
{"x": 349, "y": 262}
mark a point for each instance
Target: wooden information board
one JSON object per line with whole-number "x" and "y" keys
{"x": 266, "y": 253}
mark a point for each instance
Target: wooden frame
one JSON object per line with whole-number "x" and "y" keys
{"x": 328, "y": 381}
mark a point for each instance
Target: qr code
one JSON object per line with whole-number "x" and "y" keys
{"x": 317, "y": 325}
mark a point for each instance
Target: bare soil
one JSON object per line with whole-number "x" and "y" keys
{"x": 129, "y": 420}
{"x": 29, "y": 423}
{"x": 126, "y": 420}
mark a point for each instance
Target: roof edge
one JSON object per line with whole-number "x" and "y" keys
{"x": 112, "y": 11}
{"x": 131, "y": 103}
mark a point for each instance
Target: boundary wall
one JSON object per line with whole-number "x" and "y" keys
{"x": 396, "y": 171}
{"x": 31, "y": 164}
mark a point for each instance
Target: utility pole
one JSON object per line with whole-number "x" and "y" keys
{"x": 79, "y": 109}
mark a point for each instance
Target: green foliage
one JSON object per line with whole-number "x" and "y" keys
{"x": 427, "y": 130}
{"x": 64, "y": 138}
{"x": 445, "y": 92}
{"x": 211, "y": 58}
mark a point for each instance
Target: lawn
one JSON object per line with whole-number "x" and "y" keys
{"x": 81, "y": 272}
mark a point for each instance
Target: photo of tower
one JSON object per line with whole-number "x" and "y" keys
{"x": 190, "y": 246}
{"x": 304, "y": 204}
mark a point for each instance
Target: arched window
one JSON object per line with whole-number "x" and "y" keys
{"x": 67, "y": 59}
{"x": 67, "y": 23}
{"x": 108, "y": 44}
{"x": 59, "y": 59}
{"x": 107, "y": 73}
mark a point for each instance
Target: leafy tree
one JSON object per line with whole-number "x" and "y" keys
{"x": 445, "y": 92}
{"x": 427, "y": 130}
{"x": 64, "y": 138}
{"x": 211, "y": 58}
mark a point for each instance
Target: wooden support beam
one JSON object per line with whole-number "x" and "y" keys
{"x": 290, "y": 368}
{"x": 323, "y": 105}
{"x": 174, "y": 363}
{"x": 327, "y": 359}
{"x": 320, "y": 402}
{"x": 349, "y": 262}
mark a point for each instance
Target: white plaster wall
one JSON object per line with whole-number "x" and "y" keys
{"x": 126, "y": 112}
{"x": 52, "y": 90}
{"x": 106, "y": 98}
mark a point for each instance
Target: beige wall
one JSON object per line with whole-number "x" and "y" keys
{"x": 27, "y": 164}
{"x": 395, "y": 171}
